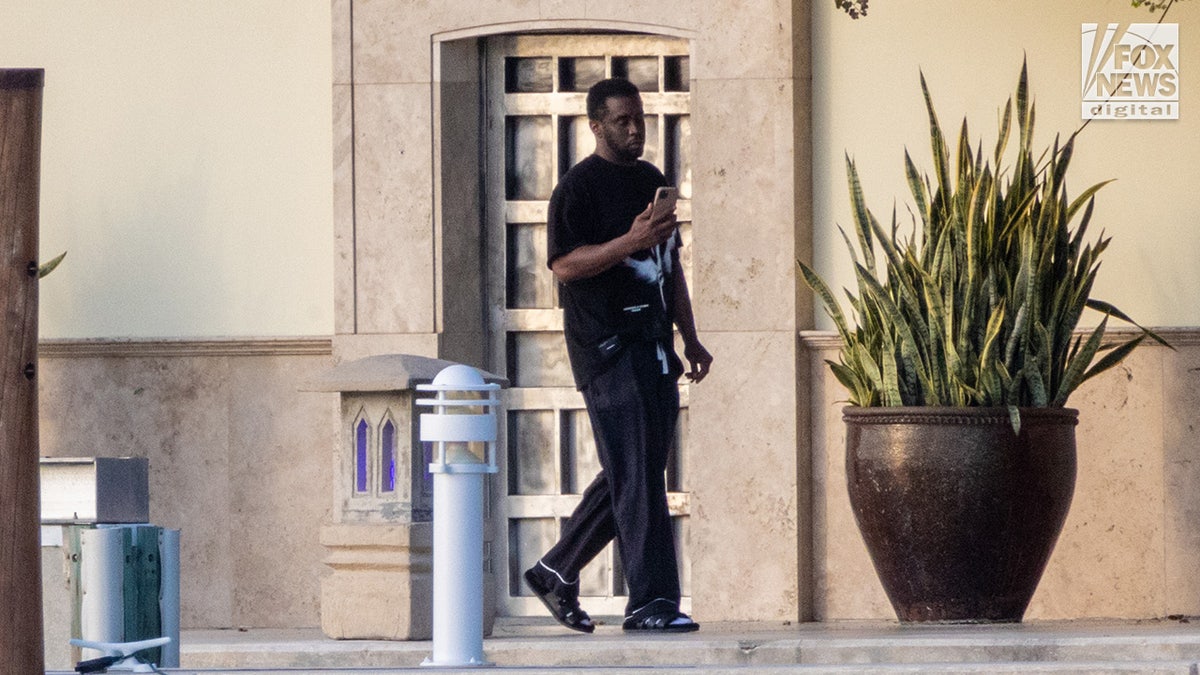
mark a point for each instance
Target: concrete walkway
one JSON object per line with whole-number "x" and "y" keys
{"x": 540, "y": 646}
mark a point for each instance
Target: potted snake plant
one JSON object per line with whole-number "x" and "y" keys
{"x": 959, "y": 355}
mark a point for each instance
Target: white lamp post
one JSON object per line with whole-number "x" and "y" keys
{"x": 462, "y": 427}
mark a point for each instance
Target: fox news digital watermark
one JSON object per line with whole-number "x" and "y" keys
{"x": 1131, "y": 74}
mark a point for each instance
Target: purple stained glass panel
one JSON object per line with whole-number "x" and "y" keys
{"x": 361, "y": 432}
{"x": 388, "y": 475}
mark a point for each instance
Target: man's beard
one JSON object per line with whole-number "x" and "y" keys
{"x": 624, "y": 148}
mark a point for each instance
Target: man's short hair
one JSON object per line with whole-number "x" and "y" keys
{"x": 599, "y": 93}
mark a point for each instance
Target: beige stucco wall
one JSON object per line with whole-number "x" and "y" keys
{"x": 185, "y": 164}
{"x": 867, "y": 103}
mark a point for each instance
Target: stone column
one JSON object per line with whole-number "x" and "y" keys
{"x": 20, "y": 555}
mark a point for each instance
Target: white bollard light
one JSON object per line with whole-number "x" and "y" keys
{"x": 462, "y": 428}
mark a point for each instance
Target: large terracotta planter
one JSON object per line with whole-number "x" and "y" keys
{"x": 959, "y": 513}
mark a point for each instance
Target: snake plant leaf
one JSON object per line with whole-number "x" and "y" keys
{"x": 1085, "y": 197}
{"x": 1032, "y": 374}
{"x": 1076, "y": 368}
{"x": 1014, "y": 418}
{"x": 48, "y": 267}
{"x": 1024, "y": 108}
{"x": 942, "y": 352}
{"x": 1016, "y": 335}
{"x": 938, "y": 146}
{"x": 849, "y": 246}
{"x": 909, "y": 353}
{"x": 862, "y": 219}
{"x": 906, "y": 290}
{"x": 1005, "y": 129}
{"x": 852, "y": 380}
{"x": 1006, "y": 383}
{"x": 966, "y": 161}
{"x": 1113, "y": 357}
{"x": 918, "y": 188}
{"x": 1019, "y": 212}
{"x": 868, "y": 368}
{"x": 832, "y": 307}
{"x": 1062, "y": 160}
{"x": 987, "y": 354}
{"x": 890, "y": 392}
{"x": 1040, "y": 374}
{"x": 1109, "y": 309}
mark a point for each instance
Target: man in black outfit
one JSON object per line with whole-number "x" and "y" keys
{"x": 621, "y": 288}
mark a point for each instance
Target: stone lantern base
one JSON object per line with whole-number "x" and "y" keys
{"x": 381, "y": 585}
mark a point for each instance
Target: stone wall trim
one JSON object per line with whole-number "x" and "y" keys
{"x": 128, "y": 348}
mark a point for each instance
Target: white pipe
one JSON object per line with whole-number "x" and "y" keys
{"x": 168, "y": 598}
{"x": 101, "y": 581}
{"x": 121, "y": 648}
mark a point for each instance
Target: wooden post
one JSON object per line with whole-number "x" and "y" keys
{"x": 20, "y": 550}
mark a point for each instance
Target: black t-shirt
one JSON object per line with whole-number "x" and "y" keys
{"x": 634, "y": 300}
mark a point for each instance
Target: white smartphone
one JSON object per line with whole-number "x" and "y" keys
{"x": 664, "y": 201}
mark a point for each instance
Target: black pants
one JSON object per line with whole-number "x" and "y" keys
{"x": 633, "y": 408}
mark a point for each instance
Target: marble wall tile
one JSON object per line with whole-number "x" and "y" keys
{"x": 749, "y": 40}
{"x": 465, "y": 347}
{"x": 394, "y": 209}
{"x": 391, "y": 40}
{"x": 169, "y": 412}
{"x": 282, "y": 486}
{"x": 745, "y": 509}
{"x": 744, "y": 266}
{"x": 1114, "y": 530}
{"x": 173, "y": 412}
{"x": 343, "y": 208}
{"x": 568, "y": 9}
{"x": 343, "y": 46}
{"x": 667, "y": 16}
{"x": 844, "y": 581}
{"x": 1181, "y": 479}
{"x": 351, "y": 347}
{"x": 206, "y": 424}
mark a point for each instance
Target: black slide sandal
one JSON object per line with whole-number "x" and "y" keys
{"x": 566, "y": 612}
{"x": 664, "y": 622}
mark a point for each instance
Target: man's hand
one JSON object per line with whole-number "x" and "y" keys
{"x": 647, "y": 232}
{"x": 700, "y": 360}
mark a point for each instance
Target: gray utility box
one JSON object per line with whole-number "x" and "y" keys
{"x": 79, "y": 490}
